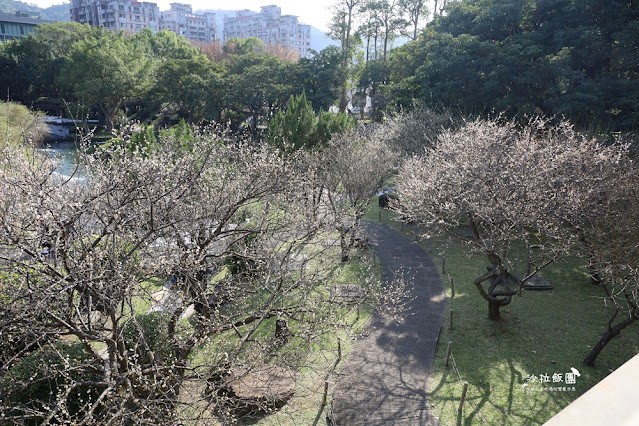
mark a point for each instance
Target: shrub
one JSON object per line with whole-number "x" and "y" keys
{"x": 298, "y": 127}
{"x": 37, "y": 380}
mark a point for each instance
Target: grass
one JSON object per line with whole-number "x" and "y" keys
{"x": 543, "y": 332}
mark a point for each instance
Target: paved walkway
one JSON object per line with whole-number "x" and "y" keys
{"x": 384, "y": 380}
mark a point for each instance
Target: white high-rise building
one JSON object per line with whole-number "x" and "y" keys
{"x": 271, "y": 27}
{"x": 126, "y": 15}
{"x": 181, "y": 20}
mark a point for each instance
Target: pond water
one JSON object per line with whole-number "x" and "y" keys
{"x": 66, "y": 152}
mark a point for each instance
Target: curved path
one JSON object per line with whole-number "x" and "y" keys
{"x": 384, "y": 380}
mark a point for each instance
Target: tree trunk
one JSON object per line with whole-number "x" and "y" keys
{"x": 344, "y": 246}
{"x": 493, "y": 310}
{"x": 607, "y": 337}
{"x": 595, "y": 278}
{"x": 386, "y": 35}
{"x": 368, "y": 47}
{"x": 342, "y": 97}
{"x": 495, "y": 299}
{"x": 592, "y": 267}
{"x": 110, "y": 110}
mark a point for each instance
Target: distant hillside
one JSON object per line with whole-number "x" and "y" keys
{"x": 319, "y": 40}
{"x": 59, "y": 12}
{"x": 54, "y": 13}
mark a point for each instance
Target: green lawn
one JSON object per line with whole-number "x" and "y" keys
{"x": 541, "y": 333}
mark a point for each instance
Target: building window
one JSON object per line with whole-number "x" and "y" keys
{"x": 2, "y": 29}
{"x": 21, "y": 30}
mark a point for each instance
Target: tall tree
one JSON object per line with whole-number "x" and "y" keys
{"x": 390, "y": 15}
{"x": 417, "y": 12}
{"x": 105, "y": 69}
{"x": 341, "y": 30}
{"x": 370, "y": 29}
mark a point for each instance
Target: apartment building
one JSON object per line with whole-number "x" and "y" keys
{"x": 130, "y": 15}
{"x": 181, "y": 20}
{"x": 270, "y": 26}
{"x": 126, "y": 15}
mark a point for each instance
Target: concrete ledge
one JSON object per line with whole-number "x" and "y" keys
{"x": 611, "y": 402}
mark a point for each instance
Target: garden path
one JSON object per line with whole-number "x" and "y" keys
{"x": 384, "y": 380}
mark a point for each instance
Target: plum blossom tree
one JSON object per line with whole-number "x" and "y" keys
{"x": 352, "y": 168}
{"x": 118, "y": 303}
{"x": 613, "y": 241}
{"x": 509, "y": 184}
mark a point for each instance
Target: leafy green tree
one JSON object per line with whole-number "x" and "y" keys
{"x": 330, "y": 124}
{"x": 184, "y": 87}
{"x": 184, "y": 83}
{"x": 30, "y": 67}
{"x": 256, "y": 85}
{"x": 375, "y": 76}
{"x": 244, "y": 46}
{"x": 181, "y": 135}
{"x": 320, "y": 77}
{"x": 59, "y": 37}
{"x": 572, "y": 58}
{"x": 165, "y": 44}
{"x": 105, "y": 69}
{"x": 27, "y": 70}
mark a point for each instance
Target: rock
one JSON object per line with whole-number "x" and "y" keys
{"x": 261, "y": 389}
